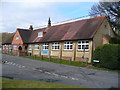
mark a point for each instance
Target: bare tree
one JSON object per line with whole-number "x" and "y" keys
{"x": 111, "y": 9}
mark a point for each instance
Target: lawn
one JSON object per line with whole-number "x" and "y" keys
{"x": 15, "y": 83}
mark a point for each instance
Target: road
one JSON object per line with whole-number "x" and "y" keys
{"x": 26, "y": 69}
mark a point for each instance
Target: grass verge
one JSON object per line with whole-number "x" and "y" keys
{"x": 14, "y": 83}
{"x": 55, "y": 60}
{"x": 104, "y": 69}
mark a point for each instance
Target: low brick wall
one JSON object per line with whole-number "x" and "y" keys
{"x": 67, "y": 58}
{"x": 81, "y": 59}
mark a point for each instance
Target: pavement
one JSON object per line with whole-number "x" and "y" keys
{"x": 27, "y": 69}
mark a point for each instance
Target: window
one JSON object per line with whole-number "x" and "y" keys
{"x": 45, "y": 46}
{"x": 6, "y": 46}
{"x": 83, "y": 45}
{"x": 68, "y": 45}
{"x": 55, "y": 46}
{"x": 3, "y": 47}
{"x": 17, "y": 37}
{"x": 36, "y": 47}
{"x": 10, "y": 47}
{"x": 30, "y": 47}
{"x": 40, "y": 34}
{"x": 15, "y": 47}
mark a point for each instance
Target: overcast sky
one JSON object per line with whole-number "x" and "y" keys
{"x": 22, "y": 14}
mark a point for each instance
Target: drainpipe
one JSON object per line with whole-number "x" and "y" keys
{"x": 40, "y": 47}
{"x": 60, "y": 51}
{"x": 32, "y": 48}
{"x": 49, "y": 50}
{"x": 74, "y": 51}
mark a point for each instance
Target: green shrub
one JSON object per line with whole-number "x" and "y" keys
{"x": 114, "y": 40}
{"x": 108, "y": 56}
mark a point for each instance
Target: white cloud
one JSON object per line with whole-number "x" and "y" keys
{"x": 21, "y": 15}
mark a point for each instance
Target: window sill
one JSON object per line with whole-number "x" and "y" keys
{"x": 45, "y": 49}
{"x": 56, "y": 50}
{"x": 68, "y": 50}
{"x": 36, "y": 49}
{"x": 82, "y": 51}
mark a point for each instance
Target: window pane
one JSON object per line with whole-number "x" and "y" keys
{"x": 67, "y": 46}
{"x": 87, "y": 42}
{"x": 71, "y": 42}
{"x": 82, "y": 41}
{"x": 64, "y": 46}
{"x": 79, "y": 46}
{"x": 70, "y": 46}
{"x": 40, "y": 34}
{"x": 83, "y": 46}
{"x": 86, "y": 47}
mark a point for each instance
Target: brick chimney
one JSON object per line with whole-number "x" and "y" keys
{"x": 31, "y": 27}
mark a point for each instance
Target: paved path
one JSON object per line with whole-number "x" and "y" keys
{"x": 27, "y": 69}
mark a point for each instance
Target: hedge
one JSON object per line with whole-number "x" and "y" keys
{"x": 108, "y": 56}
{"x": 114, "y": 40}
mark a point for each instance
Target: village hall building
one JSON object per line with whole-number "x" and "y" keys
{"x": 74, "y": 40}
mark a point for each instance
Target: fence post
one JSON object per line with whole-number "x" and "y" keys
{"x": 35, "y": 57}
{"x": 59, "y": 60}
{"x": 41, "y": 57}
{"x": 49, "y": 58}
{"x": 70, "y": 61}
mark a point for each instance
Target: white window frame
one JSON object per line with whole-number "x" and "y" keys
{"x": 40, "y": 34}
{"x": 10, "y": 47}
{"x": 3, "y": 47}
{"x": 16, "y": 37}
{"x": 68, "y": 45}
{"x": 45, "y": 46}
{"x": 30, "y": 47}
{"x": 15, "y": 47}
{"x": 6, "y": 47}
{"x": 55, "y": 46}
{"x": 36, "y": 47}
{"x": 82, "y": 44}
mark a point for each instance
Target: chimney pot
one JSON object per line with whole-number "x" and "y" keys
{"x": 31, "y": 27}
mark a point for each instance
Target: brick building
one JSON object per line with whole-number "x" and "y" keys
{"x": 75, "y": 40}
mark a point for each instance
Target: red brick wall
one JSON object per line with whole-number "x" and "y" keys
{"x": 54, "y": 57}
{"x": 15, "y": 52}
{"x": 19, "y": 41}
{"x": 80, "y": 59}
{"x": 67, "y": 58}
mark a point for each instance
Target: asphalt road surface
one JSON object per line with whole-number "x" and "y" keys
{"x": 26, "y": 69}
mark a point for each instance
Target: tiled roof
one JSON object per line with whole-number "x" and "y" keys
{"x": 34, "y": 36}
{"x": 9, "y": 39}
{"x": 82, "y": 29}
{"x": 25, "y": 34}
